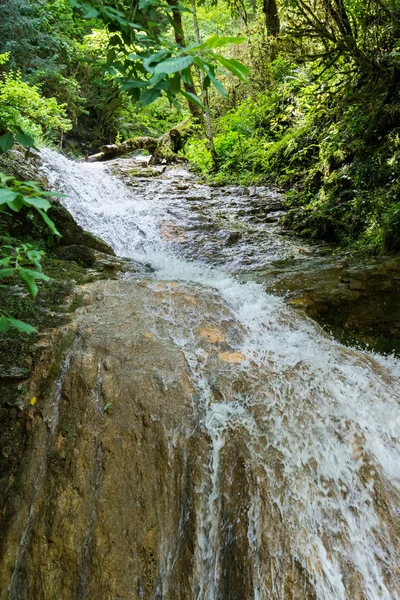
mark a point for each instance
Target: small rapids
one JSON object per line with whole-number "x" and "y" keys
{"x": 322, "y": 429}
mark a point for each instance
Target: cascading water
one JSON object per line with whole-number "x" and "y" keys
{"x": 318, "y": 498}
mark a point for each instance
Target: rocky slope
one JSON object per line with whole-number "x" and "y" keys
{"x": 148, "y": 474}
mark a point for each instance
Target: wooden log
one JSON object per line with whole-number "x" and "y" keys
{"x": 162, "y": 150}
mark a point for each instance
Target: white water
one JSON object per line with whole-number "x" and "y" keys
{"x": 331, "y": 415}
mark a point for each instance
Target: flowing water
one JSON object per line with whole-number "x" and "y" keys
{"x": 319, "y": 432}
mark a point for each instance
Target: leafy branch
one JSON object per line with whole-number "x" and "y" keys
{"x": 15, "y": 261}
{"x": 148, "y": 65}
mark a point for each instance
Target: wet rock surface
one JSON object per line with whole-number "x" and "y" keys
{"x": 357, "y": 299}
{"x": 196, "y": 439}
{"x": 149, "y": 474}
{"x": 239, "y": 228}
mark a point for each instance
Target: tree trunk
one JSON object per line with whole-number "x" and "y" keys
{"x": 205, "y": 94}
{"x": 195, "y": 110}
{"x": 270, "y": 10}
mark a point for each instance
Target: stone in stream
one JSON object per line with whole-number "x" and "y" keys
{"x": 169, "y": 460}
{"x": 172, "y": 232}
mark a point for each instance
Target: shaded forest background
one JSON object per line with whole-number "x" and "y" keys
{"x": 318, "y": 115}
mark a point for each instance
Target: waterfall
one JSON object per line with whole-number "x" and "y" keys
{"x": 322, "y": 429}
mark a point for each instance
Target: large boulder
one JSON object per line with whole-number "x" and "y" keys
{"x": 169, "y": 458}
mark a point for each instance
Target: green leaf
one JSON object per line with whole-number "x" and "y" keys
{"x": 89, "y": 12}
{"x": 35, "y": 257}
{"x": 37, "y": 203}
{"x": 52, "y": 194}
{"x": 32, "y": 185}
{"x": 6, "y": 273}
{"x": 17, "y": 203}
{"x": 21, "y": 326}
{"x": 154, "y": 58}
{"x": 192, "y": 98}
{"x": 29, "y": 281}
{"x": 186, "y": 76}
{"x": 127, "y": 84}
{"x": 48, "y": 222}
{"x": 217, "y": 41}
{"x": 29, "y": 278}
{"x": 37, "y": 274}
{"x": 156, "y": 78}
{"x": 209, "y": 69}
{"x": 7, "y": 195}
{"x": 173, "y": 65}
{"x": 25, "y": 140}
{"x": 4, "y": 324}
{"x": 175, "y": 84}
{"x": 6, "y": 142}
{"x": 234, "y": 66}
{"x": 107, "y": 407}
{"x": 148, "y": 96}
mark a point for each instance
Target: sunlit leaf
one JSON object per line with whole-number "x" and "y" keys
{"x": 217, "y": 41}
{"x": 173, "y": 65}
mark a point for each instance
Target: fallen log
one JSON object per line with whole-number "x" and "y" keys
{"x": 163, "y": 149}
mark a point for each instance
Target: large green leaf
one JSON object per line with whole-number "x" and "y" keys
{"x": 209, "y": 69}
{"x": 6, "y": 142}
{"x": 151, "y": 61}
{"x": 173, "y": 65}
{"x": 130, "y": 84}
{"x": 148, "y": 96}
{"x": 217, "y": 41}
{"x": 192, "y": 98}
{"x": 35, "y": 256}
{"x": 25, "y": 140}
{"x": 29, "y": 277}
{"x": 52, "y": 194}
{"x": 7, "y": 195}
{"x": 37, "y": 203}
{"x": 17, "y": 203}
{"x": 234, "y": 66}
{"x": 175, "y": 84}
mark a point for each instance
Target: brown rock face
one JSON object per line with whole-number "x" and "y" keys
{"x": 147, "y": 478}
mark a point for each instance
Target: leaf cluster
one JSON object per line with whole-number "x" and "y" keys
{"x": 15, "y": 261}
{"x": 146, "y": 63}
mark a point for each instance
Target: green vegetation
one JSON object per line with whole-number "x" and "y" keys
{"x": 320, "y": 119}
{"x": 21, "y": 261}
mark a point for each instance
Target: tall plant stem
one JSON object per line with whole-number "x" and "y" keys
{"x": 205, "y": 94}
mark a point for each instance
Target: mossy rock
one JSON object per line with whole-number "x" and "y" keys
{"x": 81, "y": 254}
{"x": 74, "y": 234}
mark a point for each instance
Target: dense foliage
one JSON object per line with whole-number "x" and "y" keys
{"x": 322, "y": 120}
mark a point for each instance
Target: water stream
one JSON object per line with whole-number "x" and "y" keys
{"x": 323, "y": 428}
